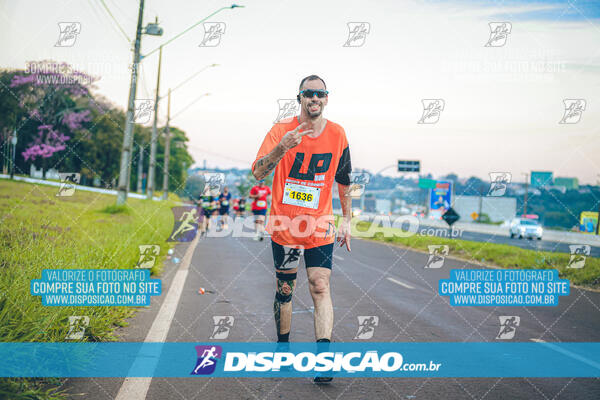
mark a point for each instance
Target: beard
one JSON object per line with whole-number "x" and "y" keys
{"x": 314, "y": 114}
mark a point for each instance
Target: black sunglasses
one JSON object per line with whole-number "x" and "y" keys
{"x": 309, "y": 93}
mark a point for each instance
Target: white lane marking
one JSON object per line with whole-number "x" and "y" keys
{"x": 137, "y": 388}
{"x": 397, "y": 282}
{"x": 338, "y": 257}
{"x": 537, "y": 340}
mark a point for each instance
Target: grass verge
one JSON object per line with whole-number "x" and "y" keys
{"x": 42, "y": 231}
{"x": 499, "y": 255}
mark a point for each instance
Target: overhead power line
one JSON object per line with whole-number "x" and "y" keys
{"x": 189, "y": 105}
{"x": 115, "y": 21}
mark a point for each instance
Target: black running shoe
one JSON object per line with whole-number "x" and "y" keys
{"x": 322, "y": 345}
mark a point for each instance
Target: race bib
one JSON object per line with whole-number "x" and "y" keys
{"x": 206, "y": 204}
{"x": 261, "y": 203}
{"x": 300, "y": 195}
{"x": 224, "y": 203}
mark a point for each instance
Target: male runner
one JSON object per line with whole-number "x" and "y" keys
{"x": 308, "y": 154}
{"x": 206, "y": 204}
{"x": 224, "y": 199}
{"x": 260, "y": 193}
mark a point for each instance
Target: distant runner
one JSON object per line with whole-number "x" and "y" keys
{"x": 241, "y": 210}
{"x": 309, "y": 154}
{"x": 224, "y": 200}
{"x": 261, "y": 194}
{"x": 206, "y": 204}
{"x": 236, "y": 206}
{"x": 214, "y": 207}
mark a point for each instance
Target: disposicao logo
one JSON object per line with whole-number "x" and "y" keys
{"x": 307, "y": 361}
{"x": 207, "y": 359}
{"x": 303, "y": 360}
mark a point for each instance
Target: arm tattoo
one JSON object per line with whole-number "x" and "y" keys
{"x": 265, "y": 165}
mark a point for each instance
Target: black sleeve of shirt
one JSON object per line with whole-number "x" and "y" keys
{"x": 342, "y": 175}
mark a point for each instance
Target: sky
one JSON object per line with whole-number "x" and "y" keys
{"x": 502, "y": 103}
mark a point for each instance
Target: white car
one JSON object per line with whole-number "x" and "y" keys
{"x": 526, "y": 228}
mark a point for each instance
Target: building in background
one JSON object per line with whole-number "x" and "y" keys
{"x": 383, "y": 206}
{"x": 567, "y": 183}
{"x": 370, "y": 203}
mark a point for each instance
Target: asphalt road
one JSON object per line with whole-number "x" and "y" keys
{"x": 538, "y": 245}
{"x": 240, "y": 274}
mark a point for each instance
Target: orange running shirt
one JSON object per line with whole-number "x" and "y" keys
{"x": 301, "y": 205}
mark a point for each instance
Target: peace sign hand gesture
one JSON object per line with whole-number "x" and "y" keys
{"x": 294, "y": 137}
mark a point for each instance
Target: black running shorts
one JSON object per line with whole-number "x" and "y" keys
{"x": 315, "y": 257}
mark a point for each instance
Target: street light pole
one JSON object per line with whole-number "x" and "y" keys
{"x": 128, "y": 134}
{"x": 167, "y": 152}
{"x": 193, "y": 26}
{"x": 151, "y": 29}
{"x": 152, "y": 164}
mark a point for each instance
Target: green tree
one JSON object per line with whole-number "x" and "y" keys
{"x": 70, "y": 128}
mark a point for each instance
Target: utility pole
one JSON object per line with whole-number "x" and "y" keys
{"x": 128, "y": 134}
{"x": 140, "y": 170}
{"x": 167, "y": 152}
{"x": 152, "y": 166}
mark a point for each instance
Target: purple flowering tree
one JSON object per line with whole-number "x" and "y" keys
{"x": 54, "y": 103}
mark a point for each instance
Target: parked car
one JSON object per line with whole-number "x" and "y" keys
{"x": 525, "y": 228}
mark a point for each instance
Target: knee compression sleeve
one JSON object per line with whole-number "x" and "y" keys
{"x": 285, "y": 287}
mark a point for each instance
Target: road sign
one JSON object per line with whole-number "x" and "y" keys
{"x": 541, "y": 178}
{"x": 427, "y": 183}
{"x": 588, "y": 222}
{"x": 474, "y": 215}
{"x": 450, "y": 216}
{"x": 409, "y": 166}
{"x": 440, "y": 198}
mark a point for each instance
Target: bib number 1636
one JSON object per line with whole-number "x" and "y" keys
{"x": 300, "y": 195}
